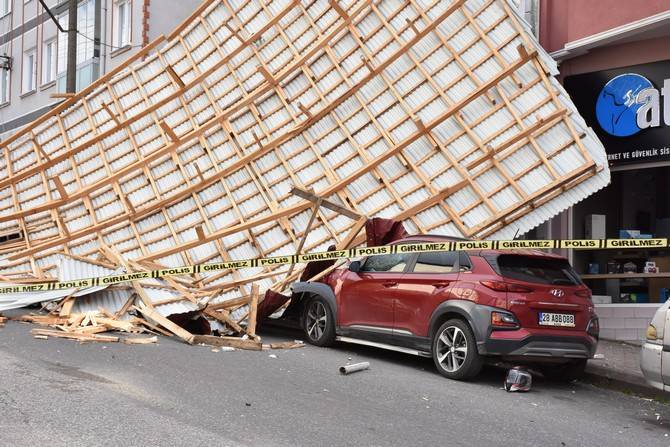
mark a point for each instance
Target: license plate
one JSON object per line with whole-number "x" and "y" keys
{"x": 549, "y": 319}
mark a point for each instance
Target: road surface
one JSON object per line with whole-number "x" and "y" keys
{"x": 58, "y": 392}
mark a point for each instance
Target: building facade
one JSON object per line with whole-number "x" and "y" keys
{"x": 615, "y": 63}
{"x": 33, "y": 52}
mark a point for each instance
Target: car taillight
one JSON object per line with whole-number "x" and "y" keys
{"x": 503, "y": 319}
{"x": 501, "y": 286}
{"x": 584, "y": 293}
{"x": 593, "y": 328}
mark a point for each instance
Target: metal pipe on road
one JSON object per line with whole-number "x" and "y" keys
{"x": 348, "y": 369}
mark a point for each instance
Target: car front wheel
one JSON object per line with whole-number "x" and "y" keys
{"x": 455, "y": 351}
{"x": 318, "y": 322}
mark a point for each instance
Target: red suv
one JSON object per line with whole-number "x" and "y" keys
{"x": 461, "y": 308}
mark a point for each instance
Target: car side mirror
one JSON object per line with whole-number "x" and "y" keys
{"x": 355, "y": 266}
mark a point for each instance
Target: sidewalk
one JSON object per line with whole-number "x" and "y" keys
{"x": 619, "y": 368}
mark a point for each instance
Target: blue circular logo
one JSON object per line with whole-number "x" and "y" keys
{"x": 617, "y": 104}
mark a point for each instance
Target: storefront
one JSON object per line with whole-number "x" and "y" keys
{"x": 628, "y": 108}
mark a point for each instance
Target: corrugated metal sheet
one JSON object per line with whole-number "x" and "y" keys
{"x": 370, "y": 115}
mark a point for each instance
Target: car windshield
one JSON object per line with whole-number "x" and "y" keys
{"x": 538, "y": 270}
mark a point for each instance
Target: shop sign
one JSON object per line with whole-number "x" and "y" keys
{"x": 628, "y": 108}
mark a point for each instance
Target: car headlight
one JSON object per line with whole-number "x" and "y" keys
{"x": 651, "y": 332}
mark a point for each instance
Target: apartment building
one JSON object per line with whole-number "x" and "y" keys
{"x": 33, "y": 52}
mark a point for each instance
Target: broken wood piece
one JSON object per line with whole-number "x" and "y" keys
{"x": 41, "y": 337}
{"x": 233, "y": 342}
{"x": 287, "y": 345}
{"x": 140, "y": 340}
{"x": 47, "y": 320}
{"x": 309, "y": 195}
{"x": 74, "y": 336}
{"x": 153, "y": 315}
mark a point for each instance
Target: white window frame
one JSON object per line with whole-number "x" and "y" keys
{"x": 5, "y": 7}
{"x": 29, "y": 70}
{"x": 5, "y": 80}
{"x": 49, "y": 61}
{"x": 122, "y": 20}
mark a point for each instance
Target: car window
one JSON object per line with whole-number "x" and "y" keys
{"x": 386, "y": 263}
{"x": 436, "y": 262}
{"x": 538, "y": 270}
{"x": 464, "y": 263}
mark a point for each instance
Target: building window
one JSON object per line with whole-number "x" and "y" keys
{"x": 29, "y": 70}
{"x": 4, "y": 85}
{"x": 122, "y": 29}
{"x": 85, "y": 37}
{"x": 5, "y": 7}
{"x": 49, "y": 62}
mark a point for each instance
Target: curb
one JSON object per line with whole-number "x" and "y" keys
{"x": 620, "y": 381}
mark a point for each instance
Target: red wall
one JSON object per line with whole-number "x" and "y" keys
{"x": 563, "y": 21}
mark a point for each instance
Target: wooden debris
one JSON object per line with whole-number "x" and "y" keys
{"x": 233, "y": 342}
{"x": 75, "y": 336}
{"x": 287, "y": 345}
{"x": 140, "y": 340}
{"x": 179, "y": 331}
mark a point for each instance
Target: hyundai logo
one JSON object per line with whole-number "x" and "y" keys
{"x": 557, "y": 292}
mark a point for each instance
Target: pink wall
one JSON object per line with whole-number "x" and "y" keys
{"x": 563, "y": 21}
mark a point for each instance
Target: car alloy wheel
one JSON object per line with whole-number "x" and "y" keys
{"x": 452, "y": 349}
{"x": 316, "y": 320}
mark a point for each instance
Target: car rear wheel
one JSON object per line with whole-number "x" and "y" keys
{"x": 566, "y": 372}
{"x": 455, "y": 351}
{"x": 318, "y": 322}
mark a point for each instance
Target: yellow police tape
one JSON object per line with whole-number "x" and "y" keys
{"x": 419, "y": 247}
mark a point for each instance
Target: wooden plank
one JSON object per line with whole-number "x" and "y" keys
{"x": 287, "y": 345}
{"x": 66, "y": 308}
{"x": 309, "y": 195}
{"x": 179, "y": 331}
{"x": 140, "y": 340}
{"x": 175, "y": 77}
{"x": 253, "y": 309}
{"x": 75, "y": 336}
{"x": 233, "y": 342}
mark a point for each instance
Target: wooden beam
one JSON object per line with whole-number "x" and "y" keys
{"x": 232, "y": 342}
{"x": 60, "y": 188}
{"x": 175, "y": 77}
{"x": 267, "y": 75}
{"x": 309, "y": 195}
{"x": 168, "y": 130}
{"x": 253, "y": 308}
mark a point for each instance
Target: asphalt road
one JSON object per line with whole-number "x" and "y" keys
{"x": 58, "y": 392}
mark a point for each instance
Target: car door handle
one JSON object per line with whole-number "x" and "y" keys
{"x": 389, "y": 284}
{"x": 441, "y": 285}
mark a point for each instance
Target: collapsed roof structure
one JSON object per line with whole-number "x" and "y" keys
{"x": 223, "y": 140}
